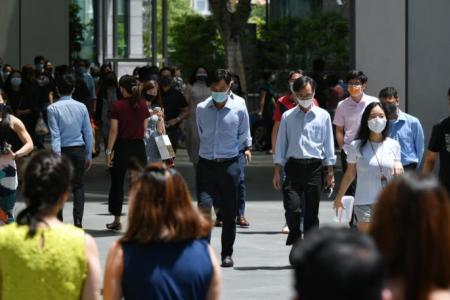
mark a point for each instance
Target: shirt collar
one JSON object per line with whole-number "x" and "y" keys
{"x": 400, "y": 117}
{"x": 312, "y": 110}
{"x": 66, "y": 97}
{"x": 228, "y": 104}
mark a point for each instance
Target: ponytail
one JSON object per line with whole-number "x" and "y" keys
{"x": 131, "y": 85}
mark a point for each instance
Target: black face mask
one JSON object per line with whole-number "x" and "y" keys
{"x": 149, "y": 98}
{"x": 390, "y": 108}
{"x": 202, "y": 77}
{"x": 166, "y": 81}
{"x": 2, "y": 107}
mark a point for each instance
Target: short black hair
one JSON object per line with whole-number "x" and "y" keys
{"x": 221, "y": 74}
{"x": 448, "y": 93}
{"x": 355, "y": 74}
{"x": 346, "y": 260}
{"x": 388, "y": 92}
{"x": 298, "y": 71}
{"x": 66, "y": 84}
{"x": 302, "y": 82}
{"x": 38, "y": 59}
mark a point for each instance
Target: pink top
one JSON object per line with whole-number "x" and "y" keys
{"x": 348, "y": 115}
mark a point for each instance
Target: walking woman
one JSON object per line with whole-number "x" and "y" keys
{"x": 42, "y": 258}
{"x": 15, "y": 142}
{"x": 155, "y": 125}
{"x": 375, "y": 158}
{"x": 125, "y": 141}
{"x": 164, "y": 253}
{"x": 411, "y": 226}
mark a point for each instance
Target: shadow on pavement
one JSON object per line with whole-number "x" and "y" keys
{"x": 264, "y": 268}
{"x": 102, "y": 233}
{"x": 260, "y": 232}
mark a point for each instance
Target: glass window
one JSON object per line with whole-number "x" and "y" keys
{"x": 201, "y": 6}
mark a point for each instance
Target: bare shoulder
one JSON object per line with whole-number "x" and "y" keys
{"x": 90, "y": 244}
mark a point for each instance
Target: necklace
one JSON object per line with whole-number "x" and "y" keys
{"x": 383, "y": 178}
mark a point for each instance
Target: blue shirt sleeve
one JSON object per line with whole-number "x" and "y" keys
{"x": 244, "y": 137}
{"x": 280, "y": 148}
{"x": 86, "y": 130}
{"x": 330, "y": 157}
{"x": 54, "y": 130}
{"x": 420, "y": 141}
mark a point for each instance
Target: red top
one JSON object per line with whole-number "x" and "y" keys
{"x": 285, "y": 103}
{"x": 130, "y": 119}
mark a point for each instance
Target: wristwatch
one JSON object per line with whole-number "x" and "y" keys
{"x": 108, "y": 152}
{"x": 178, "y": 119}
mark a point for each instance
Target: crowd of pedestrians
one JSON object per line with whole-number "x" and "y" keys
{"x": 400, "y": 250}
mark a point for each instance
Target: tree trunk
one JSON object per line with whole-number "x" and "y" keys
{"x": 230, "y": 26}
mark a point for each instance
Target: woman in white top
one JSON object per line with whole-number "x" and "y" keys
{"x": 375, "y": 158}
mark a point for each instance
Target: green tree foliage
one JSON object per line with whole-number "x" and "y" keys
{"x": 195, "y": 41}
{"x": 295, "y": 42}
{"x": 75, "y": 30}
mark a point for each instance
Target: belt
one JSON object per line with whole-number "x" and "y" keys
{"x": 73, "y": 147}
{"x": 220, "y": 160}
{"x": 305, "y": 161}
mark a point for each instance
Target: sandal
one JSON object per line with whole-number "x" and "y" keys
{"x": 114, "y": 226}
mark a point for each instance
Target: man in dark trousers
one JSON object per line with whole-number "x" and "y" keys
{"x": 71, "y": 134}
{"x": 304, "y": 144}
{"x": 223, "y": 126}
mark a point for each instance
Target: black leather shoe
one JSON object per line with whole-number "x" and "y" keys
{"x": 77, "y": 223}
{"x": 227, "y": 262}
{"x": 115, "y": 226}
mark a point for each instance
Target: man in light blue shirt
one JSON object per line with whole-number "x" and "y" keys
{"x": 304, "y": 144}
{"x": 71, "y": 135}
{"x": 223, "y": 127}
{"x": 404, "y": 128}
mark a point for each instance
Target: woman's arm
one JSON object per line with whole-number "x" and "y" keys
{"x": 91, "y": 290}
{"x": 113, "y": 129}
{"x": 215, "y": 286}
{"x": 347, "y": 179}
{"x": 24, "y": 137}
{"x": 112, "y": 283}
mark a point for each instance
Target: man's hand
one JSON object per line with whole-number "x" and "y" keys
{"x": 338, "y": 204}
{"x": 87, "y": 164}
{"x": 329, "y": 180}
{"x": 248, "y": 156}
{"x": 276, "y": 181}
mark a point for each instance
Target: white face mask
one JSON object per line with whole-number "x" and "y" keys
{"x": 377, "y": 125}
{"x": 154, "y": 118}
{"x": 305, "y": 103}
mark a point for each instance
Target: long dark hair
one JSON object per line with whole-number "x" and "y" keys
{"x": 193, "y": 77}
{"x": 131, "y": 85}
{"x": 47, "y": 177}
{"x": 364, "y": 131}
{"x": 411, "y": 226}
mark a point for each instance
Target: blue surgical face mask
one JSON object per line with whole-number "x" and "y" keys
{"x": 219, "y": 97}
{"x": 16, "y": 81}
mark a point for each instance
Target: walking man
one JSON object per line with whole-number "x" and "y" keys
{"x": 71, "y": 135}
{"x": 403, "y": 128}
{"x": 304, "y": 144}
{"x": 223, "y": 126}
{"x": 439, "y": 147}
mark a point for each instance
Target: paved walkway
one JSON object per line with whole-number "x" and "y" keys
{"x": 261, "y": 258}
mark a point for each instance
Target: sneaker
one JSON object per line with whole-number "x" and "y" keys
{"x": 285, "y": 229}
{"x": 242, "y": 222}
{"x": 227, "y": 262}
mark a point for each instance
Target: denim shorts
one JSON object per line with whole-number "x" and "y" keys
{"x": 363, "y": 212}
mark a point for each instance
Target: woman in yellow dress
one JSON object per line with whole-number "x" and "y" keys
{"x": 40, "y": 257}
